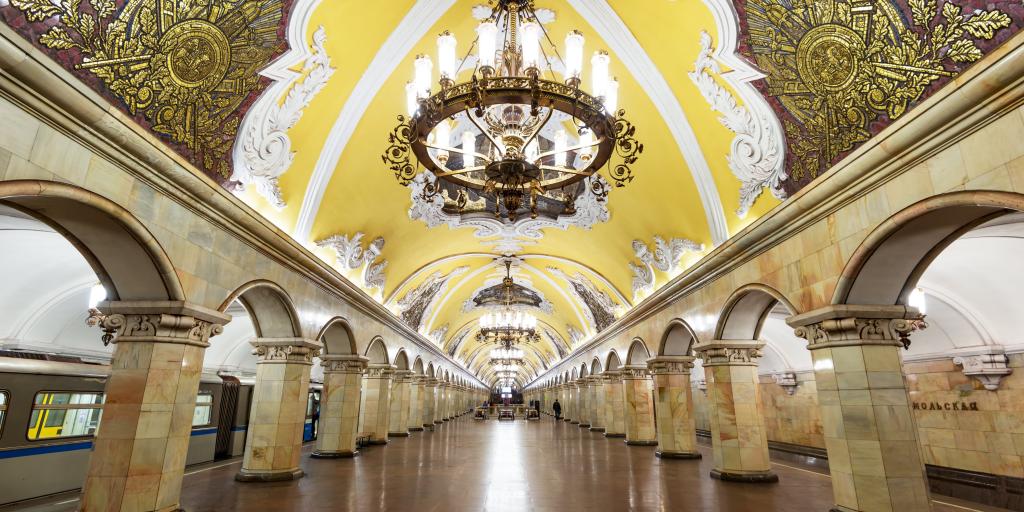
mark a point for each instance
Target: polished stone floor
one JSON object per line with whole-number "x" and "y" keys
{"x": 508, "y": 466}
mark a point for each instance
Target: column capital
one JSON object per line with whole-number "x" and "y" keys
{"x": 380, "y": 370}
{"x": 403, "y": 375}
{"x": 430, "y": 382}
{"x": 343, "y": 364}
{"x": 416, "y": 379}
{"x": 285, "y": 350}
{"x": 159, "y": 322}
{"x": 670, "y": 365}
{"x": 634, "y": 372}
{"x": 730, "y": 352}
{"x": 843, "y": 325}
{"x": 612, "y": 375}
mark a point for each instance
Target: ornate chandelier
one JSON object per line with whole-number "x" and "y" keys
{"x": 508, "y": 328}
{"x": 512, "y": 138}
{"x": 506, "y": 357}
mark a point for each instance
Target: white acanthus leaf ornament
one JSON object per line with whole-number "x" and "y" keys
{"x": 263, "y": 152}
{"x": 351, "y": 256}
{"x": 757, "y": 154}
{"x": 665, "y": 257}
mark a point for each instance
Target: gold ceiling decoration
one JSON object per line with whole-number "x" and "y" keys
{"x": 186, "y": 66}
{"x": 838, "y": 66}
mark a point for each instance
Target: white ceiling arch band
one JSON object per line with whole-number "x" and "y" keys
{"x": 413, "y": 27}
{"x": 613, "y": 30}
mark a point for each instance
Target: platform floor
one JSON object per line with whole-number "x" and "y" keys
{"x": 468, "y": 465}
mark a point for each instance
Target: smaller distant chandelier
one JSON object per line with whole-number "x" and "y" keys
{"x": 502, "y": 357}
{"x": 508, "y": 328}
{"x": 514, "y": 133}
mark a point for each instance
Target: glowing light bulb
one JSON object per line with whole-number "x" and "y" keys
{"x": 573, "y": 54}
{"x": 446, "y": 55}
{"x": 531, "y": 33}
{"x": 469, "y": 147}
{"x": 611, "y": 96}
{"x": 487, "y": 41}
{"x": 586, "y": 140}
{"x": 442, "y": 137}
{"x": 412, "y": 103}
{"x": 423, "y": 67}
{"x": 599, "y": 72}
{"x": 917, "y": 300}
{"x": 561, "y": 144}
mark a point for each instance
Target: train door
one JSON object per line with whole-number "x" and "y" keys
{"x": 226, "y": 419}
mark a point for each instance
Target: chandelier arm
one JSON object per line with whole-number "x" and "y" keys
{"x": 485, "y": 132}
{"x": 539, "y": 128}
{"x": 565, "y": 170}
{"x": 457, "y": 150}
{"x": 547, "y": 36}
{"x": 598, "y": 142}
{"x": 461, "y": 171}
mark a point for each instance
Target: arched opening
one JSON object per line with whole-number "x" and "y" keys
{"x": 377, "y": 351}
{"x": 401, "y": 360}
{"x": 677, "y": 340}
{"x": 638, "y": 353}
{"x": 613, "y": 363}
{"x": 337, "y": 338}
{"x": 417, "y": 366}
{"x": 270, "y": 309}
{"x": 595, "y": 367}
{"x": 583, "y": 370}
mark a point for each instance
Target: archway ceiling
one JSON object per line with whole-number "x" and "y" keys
{"x": 361, "y": 194}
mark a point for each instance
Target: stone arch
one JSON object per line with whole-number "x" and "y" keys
{"x": 745, "y": 311}
{"x": 638, "y": 353}
{"x": 401, "y": 360}
{"x": 583, "y": 370}
{"x": 885, "y": 267}
{"x": 574, "y": 375}
{"x": 377, "y": 351}
{"x": 417, "y": 366}
{"x": 678, "y": 339}
{"x": 270, "y": 308}
{"x": 337, "y": 337}
{"x": 612, "y": 361}
{"x": 431, "y": 370}
{"x": 595, "y": 366}
{"x": 447, "y": 376}
{"x": 125, "y": 256}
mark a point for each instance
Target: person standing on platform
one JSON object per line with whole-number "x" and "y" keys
{"x": 557, "y": 407}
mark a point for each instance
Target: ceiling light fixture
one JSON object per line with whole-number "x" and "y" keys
{"x": 508, "y": 327}
{"x": 524, "y": 136}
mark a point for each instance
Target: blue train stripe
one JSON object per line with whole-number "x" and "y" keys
{"x": 39, "y": 450}
{"x": 204, "y": 431}
{"x": 242, "y": 428}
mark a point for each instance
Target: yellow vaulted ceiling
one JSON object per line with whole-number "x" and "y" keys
{"x": 362, "y": 195}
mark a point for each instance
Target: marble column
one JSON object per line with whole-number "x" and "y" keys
{"x": 677, "y": 434}
{"x": 339, "y": 406}
{"x": 639, "y": 406}
{"x": 739, "y": 440}
{"x": 438, "y": 408}
{"x": 398, "y": 417}
{"x": 583, "y": 394}
{"x": 870, "y": 434}
{"x": 277, "y": 414}
{"x": 567, "y": 404}
{"x": 376, "y": 402}
{"x": 416, "y": 390}
{"x": 138, "y": 455}
{"x": 614, "y": 405}
{"x": 427, "y": 401}
{"x": 596, "y": 386}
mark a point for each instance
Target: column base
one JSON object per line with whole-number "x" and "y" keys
{"x": 566, "y": 419}
{"x": 678, "y": 455}
{"x": 574, "y": 422}
{"x": 398, "y": 434}
{"x": 438, "y": 422}
{"x": 416, "y": 429}
{"x": 584, "y": 425}
{"x": 766, "y": 477}
{"x": 613, "y": 434}
{"x": 446, "y": 419}
{"x": 633, "y": 442}
{"x": 377, "y": 441}
{"x": 269, "y": 476}
{"x": 597, "y": 429}
{"x": 334, "y": 455}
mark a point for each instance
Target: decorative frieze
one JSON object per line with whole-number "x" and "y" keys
{"x": 848, "y": 325}
{"x": 988, "y": 367}
{"x": 285, "y": 350}
{"x": 351, "y": 256}
{"x": 730, "y": 352}
{"x": 787, "y": 381}
{"x": 159, "y": 322}
{"x": 344, "y": 364}
{"x": 634, "y": 372}
{"x": 665, "y": 257}
{"x": 677, "y": 365}
{"x": 379, "y": 371}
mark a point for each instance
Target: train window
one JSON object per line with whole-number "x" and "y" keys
{"x": 203, "y": 414}
{"x": 64, "y": 414}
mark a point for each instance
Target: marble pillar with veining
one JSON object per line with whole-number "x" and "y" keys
{"x": 739, "y": 439}
{"x": 398, "y": 417}
{"x": 277, "y": 414}
{"x": 427, "y": 402}
{"x": 138, "y": 456}
{"x": 438, "y": 408}
{"x": 870, "y": 434}
{"x": 673, "y": 406}
{"x": 614, "y": 405}
{"x": 639, "y": 406}
{"x": 339, "y": 406}
{"x": 596, "y": 386}
{"x": 416, "y": 390}
{"x": 583, "y": 392}
{"x": 376, "y": 402}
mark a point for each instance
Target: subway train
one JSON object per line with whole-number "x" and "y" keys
{"x": 50, "y": 408}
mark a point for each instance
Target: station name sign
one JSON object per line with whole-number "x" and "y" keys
{"x": 945, "y": 406}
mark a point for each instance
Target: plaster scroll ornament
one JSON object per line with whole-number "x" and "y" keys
{"x": 438, "y": 335}
{"x": 352, "y": 256}
{"x": 665, "y": 257}
{"x": 415, "y": 306}
{"x": 988, "y": 367}
{"x": 756, "y": 157}
{"x": 263, "y": 151}
{"x": 507, "y": 237}
{"x": 598, "y": 306}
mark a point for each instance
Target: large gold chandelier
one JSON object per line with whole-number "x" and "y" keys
{"x": 513, "y": 134}
{"x": 508, "y": 327}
